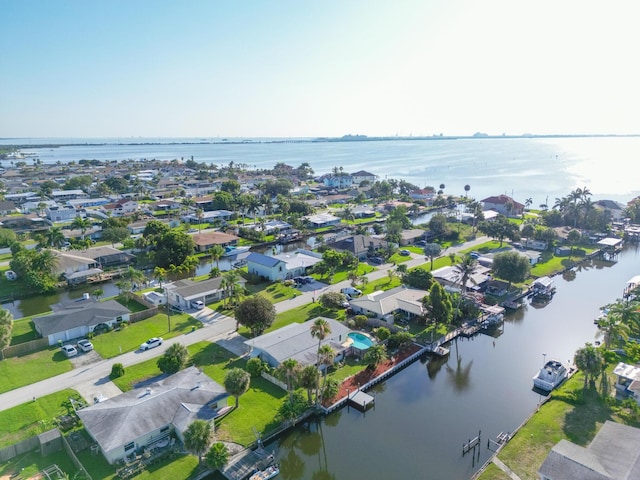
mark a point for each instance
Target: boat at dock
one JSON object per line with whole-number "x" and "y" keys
{"x": 231, "y": 250}
{"x": 542, "y": 289}
{"x": 552, "y": 374}
{"x": 270, "y": 472}
{"x": 439, "y": 351}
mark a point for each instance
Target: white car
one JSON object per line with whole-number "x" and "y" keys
{"x": 351, "y": 292}
{"x": 151, "y": 343}
{"x": 69, "y": 350}
{"x": 85, "y": 345}
{"x": 198, "y": 305}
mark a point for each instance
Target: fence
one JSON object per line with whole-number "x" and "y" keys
{"x": 19, "y": 448}
{"x": 25, "y": 348}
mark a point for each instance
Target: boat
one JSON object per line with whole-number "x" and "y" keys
{"x": 232, "y": 250}
{"x": 440, "y": 351}
{"x": 550, "y": 376}
{"x": 269, "y": 472}
{"x": 492, "y": 321}
{"x": 543, "y": 289}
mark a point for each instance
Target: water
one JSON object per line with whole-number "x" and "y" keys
{"x": 539, "y": 168}
{"x": 425, "y": 413}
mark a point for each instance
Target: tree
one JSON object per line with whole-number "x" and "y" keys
{"x": 438, "y": 225}
{"x": 375, "y": 355}
{"x": 160, "y": 274}
{"x": 327, "y": 357}
{"x": 589, "y": 360}
{"x": 332, "y": 300}
{"x": 6, "y": 326}
{"x": 418, "y": 278}
{"x": 289, "y": 370}
{"x": 237, "y": 382}
{"x": 197, "y": 437}
{"x": 466, "y": 189}
{"x": 173, "y": 248}
{"x": 611, "y": 328}
{"x": 573, "y": 237}
{"x": 82, "y": 224}
{"x": 174, "y": 359}
{"x": 432, "y": 250}
{"x": 464, "y": 270}
{"x": 511, "y": 266}
{"x": 438, "y": 304}
{"x": 499, "y": 229}
{"x": 309, "y": 380}
{"x": 54, "y": 237}
{"x": 320, "y": 330}
{"x": 256, "y": 313}
{"x": 216, "y": 252}
{"x": 115, "y": 234}
{"x": 217, "y": 456}
{"x": 117, "y": 370}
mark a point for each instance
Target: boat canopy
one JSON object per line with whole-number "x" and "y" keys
{"x": 543, "y": 282}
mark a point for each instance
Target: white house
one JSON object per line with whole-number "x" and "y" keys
{"x": 284, "y": 266}
{"x": 362, "y": 176}
{"x": 384, "y": 304}
{"x": 60, "y": 213}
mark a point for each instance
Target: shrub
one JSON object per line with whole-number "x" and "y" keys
{"x": 255, "y": 367}
{"x": 116, "y": 371}
{"x": 360, "y": 320}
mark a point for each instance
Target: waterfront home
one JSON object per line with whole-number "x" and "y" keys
{"x": 137, "y": 228}
{"x": 322, "y": 220}
{"x": 208, "y": 217}
{"x": 73, "y": 267}
{"x": 616, "y": 209}
{"x": 410, "y": 236}
{"x": 284, "y": 266}
{"x": 360, "y": 246}
{"x": 119, "y": 208}
{"x": 628, "y": 382}
{"x": 363, "y": 176}
{"x": 183, "y": 293}
{"x": 425, "y": 194}
{"x": 7, "y": 207}
{"x": 37, "y": 205}
{"x": 385, "y": 305}
{"x": 106, "y": 256}
{"x": 204, "y": 241}
{"x": 76, "y": 319}
{"x": 613, "y": 454}
{"x": 450, "y": 278}
{"x": 146, "y": 418}
{"x": 294, "y": 341}
{"x": 338, "y": 181}
{"x": 87, "y": 202}
{"x": 64, "y": 195}
{"x": 503, "y": 204}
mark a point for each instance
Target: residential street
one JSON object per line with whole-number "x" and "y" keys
{"x": 217, "y": 328}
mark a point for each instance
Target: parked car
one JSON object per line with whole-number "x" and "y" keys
{"x": 308, "y": 279}
{"x": 176, "y": 308}
{"x": 404, "y": 253}
{"x": 376, "y": 260}
{"x": 151, "y": 343}
{"x": 198, "y": 304}
{"x": 350, "y": 291}
{"x": 299, "y": 281}
{"x": 69, "y": 350}
{"x": 421, "y": 243}
{"x": 85, "y": 345}
{"x": 475, "y": 255}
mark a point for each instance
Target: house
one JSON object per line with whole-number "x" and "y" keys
{"x": 322, "y": 220}
{"x": 7, "y": 208}
{"x": 148, "y": 417}
{"x": 209, "y": 217}
{"x": 76, "y": 319}
{"x": 64, "y": 195}
{"x": 384, "y": 304}
{"x": 628, "y": 382}
{"x": 294, "y": 341}
{"x": 450, "y": 278}
{"x": 410, "y": 236}
{"x": 124, "y": 206}
{"x": 137, "y": 228}
{"x": 363, "y": 176}
{"x": 204, "y": 241}
{"x": 615, "y": 208}
{"x": 613, "y": 454}
{"x": 106, "y": 256}
{"x": 539, "y": 245}
{"x": 60, "y": 213}
{"x": 360, "y": 246}
{"x": 338, "y": 181}
{"x": 75, "y": 268}
{"x": 87, "y": 202}
{"x": 166, "y": 206}
{"x": 425, "y": 194}
{"x": 183, "y": 293}
{"x": 503, "y": 204}
{"x": 264, "y": 266}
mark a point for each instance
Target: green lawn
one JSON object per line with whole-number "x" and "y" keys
{"x": 300, "y": 315}
{"x": 17, "y": 372}
{"x": 29, "y": 464}
{"x": 274, "y": 292}
{"x": 343, "y": 274}
{"x": 23, "y": 331}
{"x": 130, "y": 337}
{"x": 32, "y": 418}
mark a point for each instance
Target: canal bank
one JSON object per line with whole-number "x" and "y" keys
{"x": 424, "y": 414}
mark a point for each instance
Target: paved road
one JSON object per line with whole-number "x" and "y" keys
{"x": 217, "y": 327}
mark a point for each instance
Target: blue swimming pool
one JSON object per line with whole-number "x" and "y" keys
{"x": 360, "y": 341}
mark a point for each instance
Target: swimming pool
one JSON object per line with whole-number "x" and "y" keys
{"x": 360, "y": 341}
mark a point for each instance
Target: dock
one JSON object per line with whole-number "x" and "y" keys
{"x": 246, "y": 462}
{"x": 361, "y": 400}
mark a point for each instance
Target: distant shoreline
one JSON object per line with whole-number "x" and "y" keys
{"x": 346, "y": 138}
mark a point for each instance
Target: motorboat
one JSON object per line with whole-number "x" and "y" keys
{"x": 269, "y": 472}
{"x": 550, "y": 376}
{"x": 543, "y": 289}
{"x": 232, "y": 250}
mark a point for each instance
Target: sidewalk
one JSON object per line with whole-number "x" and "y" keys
{"x": 217, "y": 327}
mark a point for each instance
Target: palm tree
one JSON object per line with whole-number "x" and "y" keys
{"x": 217, "y": 251}
{"x": 375, "y": 355}
{"x": 160, "y": 274}
{"x": 612, "y": 328}
{"x": 229, "y": 279}
{"x": 197, "y": 437}
{"x": 589, "y": 360}
{"x": 320, "y": 330}
{"x": 464, "y": 270}
{"x": 82, "y": 224}
{"x": 199, "y": 216}
{"x": 135, "y": 277}
{"x": 466, "y": 190}
{"x": 45, "y": 262}
{"x": 54, "y": 237}
{"x": 326, "y": 357}
{"x": 289, "y": 370}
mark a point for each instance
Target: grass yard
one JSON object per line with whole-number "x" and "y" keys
{"x": 274, "y": 292}
{"x": 24, "y": 370}
{"x": 32, "y": 418}
{"x": 129, "y": 338}
{"x": 132, "y": 305}
{"x": 343, "y": 274}
{"x": 23, "y": 331}
{"x": 29, "y": 464}
{"x": 300, "y": 315}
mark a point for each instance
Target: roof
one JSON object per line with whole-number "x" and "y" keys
{"x": 385, "y": 302}
{"x": 211, "y": 238}
{"x": 83, "y": 312}
{"x": 502, "y": 200}
{"x": 610, "y": 242}
{"x": 264, "y": 260}
{"x": 451, "y": 274}
{"x": 99, "y": 252}
{"x": 614, "y": 453}
{"x": 298, "y": 259}
{"x": 188, "y": 289}
{"x": 176, "y": 400}
{"x": 358, "y": 244}
{"x": 295, "y": 341}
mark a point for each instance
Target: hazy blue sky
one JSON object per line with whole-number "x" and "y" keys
{"x": 285, "y": 68}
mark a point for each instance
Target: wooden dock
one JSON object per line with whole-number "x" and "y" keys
{"x": 246, "y": 462}
{"x": 360, "y": 400}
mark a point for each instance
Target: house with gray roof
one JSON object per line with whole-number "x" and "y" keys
{"x": 359, "y": 245}
{"x": 613, "y": 454}
{"x": 384, "y": 304}
{"x": 294, "y": 341}
{"x": 76, "y": 319}
{"x": 284, "y": 266}
{"x": 183, "y": 293}
{"x": 146, "y": 417}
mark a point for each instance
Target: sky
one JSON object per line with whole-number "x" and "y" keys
{"x": 291, "y": 68}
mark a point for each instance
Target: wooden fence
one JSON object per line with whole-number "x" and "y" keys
{"x": 25, "y": 348}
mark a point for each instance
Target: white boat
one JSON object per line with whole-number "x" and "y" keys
{"x": 231, "y": 250}
{"x": 550, "y": 376}
{"x": 269, "y": 472}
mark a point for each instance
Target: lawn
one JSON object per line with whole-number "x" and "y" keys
{"x": 130, "y": 337}
{"x": 274, "y": 292}
{"x": 32, "y": 418}
{"x": 572, "y": 413}
{"x": 29, "y": 464}
{"x": 300, "y": 314}
{"x": 343, "y": 274}
{"x": 17, "y": 372}
{"x": 23, "y": 331}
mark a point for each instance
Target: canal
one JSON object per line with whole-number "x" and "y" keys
{"x": 425, "y": 413}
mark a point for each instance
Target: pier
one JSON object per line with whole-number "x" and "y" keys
{"x": 360, "y": 400}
